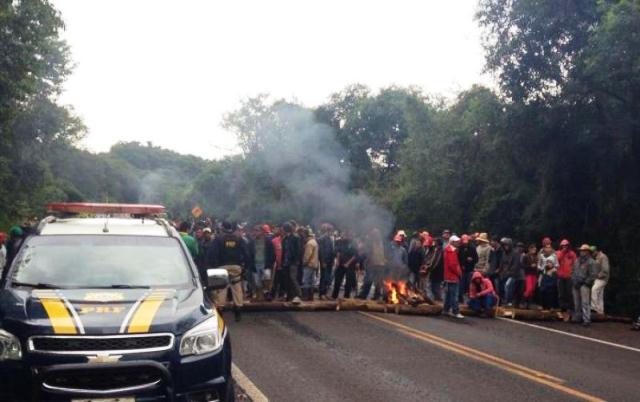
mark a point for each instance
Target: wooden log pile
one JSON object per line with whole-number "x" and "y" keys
{"x": 423, "y": 309}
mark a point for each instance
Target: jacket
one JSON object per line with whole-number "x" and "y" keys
{"x": 585, "y": 271}
{"x": 549, "y": 281}
{"x": 530, "y": 264}
{"x": 291, "y": 255}
{"x": 603, "y": 263}
{"x": 229, "y": 249}
{"x": 192, "y": 245}
{"x": 310, "y": 258}
{"x": 509, "y": 264}
{"x": 465, "y": 253}
{"x": 277, "y": 250}
{"x": 416, "y": 257}
{"x": 346, "y": 253}
{"x": 452, "y": 270}
{"x": 375, "y": 257}
{"x": 435, "y": 264}
{"x": 326, "y": 250}
{"x": 544, "y": 259}
{"x": 484, "y": 254}
{"x": 485, "y": 288}
{"x": 566, "y": 261}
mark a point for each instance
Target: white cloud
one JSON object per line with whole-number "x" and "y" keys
{"x": 166, "y": 71}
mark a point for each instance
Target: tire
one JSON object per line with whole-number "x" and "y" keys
{"x": 231, "y": 391}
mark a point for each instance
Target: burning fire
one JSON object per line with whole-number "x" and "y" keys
{"x": 395, "y": 290}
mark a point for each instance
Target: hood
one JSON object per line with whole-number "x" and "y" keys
{"x": 101, "y": 311}
{"x": 476, "y": 275}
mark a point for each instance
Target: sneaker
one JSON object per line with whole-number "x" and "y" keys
{"x": 458, "y": 316}
{"x": 296, "y": 300}
{"x": 451, "y": 314}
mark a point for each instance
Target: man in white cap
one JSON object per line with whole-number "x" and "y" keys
{"x": 452, "y": 275}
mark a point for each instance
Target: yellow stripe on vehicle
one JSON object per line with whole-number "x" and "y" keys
{"x": 59, "y": 316}
{"x": 220, "y": 324}
{"x": 143, "y": 317}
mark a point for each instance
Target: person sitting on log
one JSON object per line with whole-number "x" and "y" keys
{"x": 482, "y": 296}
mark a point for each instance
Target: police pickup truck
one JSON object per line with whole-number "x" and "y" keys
{"x": 110, "y": 308}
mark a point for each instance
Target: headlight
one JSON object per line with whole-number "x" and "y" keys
{"x": 205, "y": 337}
{"x": 9, "y": 347}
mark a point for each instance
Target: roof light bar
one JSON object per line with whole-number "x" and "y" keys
{"x": 98, "y": 208}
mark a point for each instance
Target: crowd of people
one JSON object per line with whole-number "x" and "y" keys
{"x": 289, "y": 262}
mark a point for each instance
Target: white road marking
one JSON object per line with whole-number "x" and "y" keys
{"x": 247, "y": 386}
{"x": 585, "y": 338}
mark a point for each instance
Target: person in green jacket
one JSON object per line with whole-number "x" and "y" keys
{"x": 188, "y": 240}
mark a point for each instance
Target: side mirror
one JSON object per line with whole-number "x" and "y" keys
{"x": 217, "y": 278}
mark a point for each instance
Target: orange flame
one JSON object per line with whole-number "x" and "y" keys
{"x": 395, "y": 288}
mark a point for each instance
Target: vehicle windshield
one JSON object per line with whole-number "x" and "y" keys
{"x": 88, "y": 261}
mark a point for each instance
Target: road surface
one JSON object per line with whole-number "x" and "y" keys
{"x": 355, "y": 356}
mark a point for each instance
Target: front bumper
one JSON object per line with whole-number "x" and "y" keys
{"x": 176, "y": 379}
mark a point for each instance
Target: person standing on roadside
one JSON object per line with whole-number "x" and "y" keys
{"x": 189, "y": 241}
{"x": 327, "y": 257}
{"x": 291, "y": 257}
{"x": 346, "y": 258}
{"x": 597, "y": 291}
{"x": 508, "y": 270}
{"x": 230, "y": 254}
{"x": 549, "y": 278}
{"x": 494, "y": 264}
{"x": 310, "y": 265}
{"x": 415, "y": 258}
{"x": 452, "y": 275}
{"x": 468, "y": 257}
{"x": 279, "y": 284}
{"x": 585, "y": 272}
{"x": 530, "y": 264}
{"x": 483, "y": 250}
{"x": 566, "y": 259}
{"x": 435, "y": 270}
{"x": 374, "y": 265}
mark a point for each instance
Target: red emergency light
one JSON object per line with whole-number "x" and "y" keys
{"x": 99, "y": 208}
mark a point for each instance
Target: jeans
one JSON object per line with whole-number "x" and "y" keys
{"x": 308, "y": 277}
{"x": 279, "y": 283}
{"x": 372, "y": 277}
{"x": 597, "y": 296}
{"x": 293, "y": 287}
{"x": 582, "y": 303}
{"x": 484, "y": 303}
{"x": 436, "y": 289}
{"x": 350, "y": 283}
{"x": 326, "y": 270}
{"x": 465, "y": 281}
{"x": 451, "y": 297}
{"x": 564, "y": 294}
{"x": 509, "y": 289}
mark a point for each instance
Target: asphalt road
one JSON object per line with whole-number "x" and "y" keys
{"x": 352, "y": 356}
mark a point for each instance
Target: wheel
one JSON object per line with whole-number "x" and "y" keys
{"x": 231, "y": 391}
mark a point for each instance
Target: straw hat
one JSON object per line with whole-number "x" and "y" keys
{"x": 585, "y": 247}
{"x": 483, "y": 237}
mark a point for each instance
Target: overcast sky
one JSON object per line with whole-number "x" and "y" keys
{"x": 167, "y": 71}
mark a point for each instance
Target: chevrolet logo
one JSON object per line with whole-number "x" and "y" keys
{"x": 104, "y": 358}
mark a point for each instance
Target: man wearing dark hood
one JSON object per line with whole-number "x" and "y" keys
{"x": 291, "y": 259}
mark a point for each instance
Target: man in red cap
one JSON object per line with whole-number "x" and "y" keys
{"x": 566, "y": 259}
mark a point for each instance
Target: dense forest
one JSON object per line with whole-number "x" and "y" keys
{"x": 553, "y": 150}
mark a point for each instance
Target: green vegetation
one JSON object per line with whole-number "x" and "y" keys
{"x": 556, "y": 151}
